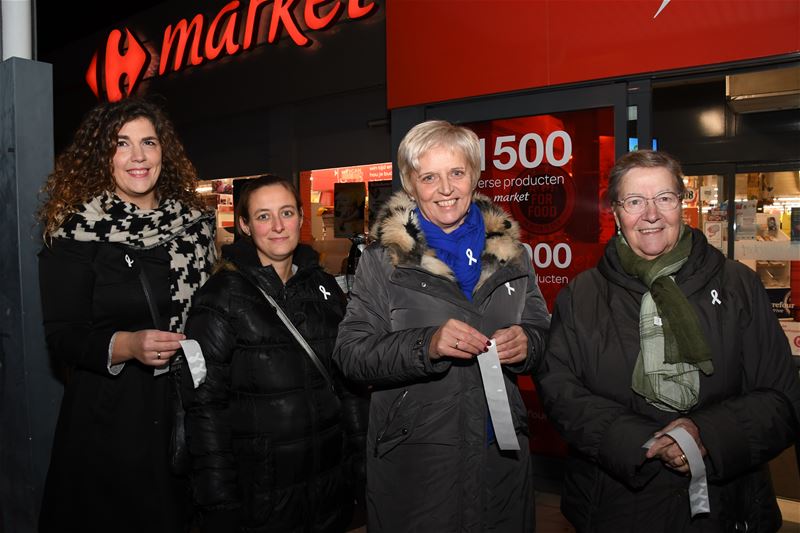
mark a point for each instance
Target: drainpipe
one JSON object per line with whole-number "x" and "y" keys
{"x": 16, "y": 29}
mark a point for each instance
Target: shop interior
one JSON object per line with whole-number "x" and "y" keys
{"x": 339, "y": 205}
{"x": 766, "y": 232}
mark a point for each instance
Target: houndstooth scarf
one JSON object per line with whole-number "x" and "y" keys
{"x": 187, "y": 233}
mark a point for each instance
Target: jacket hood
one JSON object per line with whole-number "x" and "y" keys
{"x": 397, "y": 229}
{"x": 703, "y": 264}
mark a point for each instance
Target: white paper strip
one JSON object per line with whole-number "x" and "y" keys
{"x": 194, "y": 358}
{"x": 698, "y": 486}
{"x": 494, "y": 387}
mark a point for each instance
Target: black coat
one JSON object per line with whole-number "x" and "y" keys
{"x": 108, "y": 470}
{"x": 267, "y": 435}
{"x": 747, "y": 412}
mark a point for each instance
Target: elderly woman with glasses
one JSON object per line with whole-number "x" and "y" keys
{"x": 668, "y": 374}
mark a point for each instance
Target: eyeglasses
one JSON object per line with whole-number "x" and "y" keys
{"x": 636, "y": 205}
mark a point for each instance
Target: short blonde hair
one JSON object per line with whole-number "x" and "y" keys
{"x": 433, "y": 133}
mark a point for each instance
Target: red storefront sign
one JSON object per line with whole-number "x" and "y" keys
{"x": 125, "y": 60}
{"x": 550, "y": 172}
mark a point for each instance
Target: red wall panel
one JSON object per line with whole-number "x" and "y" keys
{"x": 450, "y": 49}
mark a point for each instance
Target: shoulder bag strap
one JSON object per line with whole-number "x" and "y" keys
{"x": 148, "y": 294}
{"x": 151, "y": 303}
{"x": 298, "y": 336}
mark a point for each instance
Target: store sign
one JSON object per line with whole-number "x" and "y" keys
{"x": 124, "y": 61}
{"x": 550, "y": 173}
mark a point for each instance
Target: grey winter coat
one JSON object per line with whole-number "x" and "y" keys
{"x": 747, "y": 411}
{"x": 429, "y": 467}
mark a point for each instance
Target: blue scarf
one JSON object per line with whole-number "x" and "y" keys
{"x": 461, "y": 249}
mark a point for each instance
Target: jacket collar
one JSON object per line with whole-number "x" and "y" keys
{"x": 242, "y": 257}
{"x": 397, "y": 229}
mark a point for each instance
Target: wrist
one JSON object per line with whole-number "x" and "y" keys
{"x": 121, "y": 350}
{"x": 433, "y": 355}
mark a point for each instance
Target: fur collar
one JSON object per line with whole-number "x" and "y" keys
{"x": 397, "y": 229}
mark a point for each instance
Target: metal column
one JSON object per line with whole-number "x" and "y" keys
{"x": 29, "y": 393}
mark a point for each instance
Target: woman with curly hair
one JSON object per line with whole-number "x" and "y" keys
{"x": 127, "y": 245}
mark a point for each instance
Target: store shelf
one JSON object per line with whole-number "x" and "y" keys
{"x": 767, "y": 250}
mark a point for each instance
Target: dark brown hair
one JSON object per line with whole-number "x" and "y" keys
{"x": 84, "y": 170}
{"x": 253, "y": 184}
{"x": 643, "y": 159}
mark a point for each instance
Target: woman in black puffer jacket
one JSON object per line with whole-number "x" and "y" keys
{"x": 273, "y": 447}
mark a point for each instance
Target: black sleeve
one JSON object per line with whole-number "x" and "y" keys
{"x": 536, "y": 324}
{"x": 66, "y": 281}
{"x": 355, "y": 415}
{"x": 367, "y": 350}
{"x": 208, "y": 430}
{"x": 751, "y": 428}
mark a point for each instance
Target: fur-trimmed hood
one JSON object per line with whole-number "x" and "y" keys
{"x": 397, "y": 229}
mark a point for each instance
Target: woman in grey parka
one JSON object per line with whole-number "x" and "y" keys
{"x": 446, "y": 275}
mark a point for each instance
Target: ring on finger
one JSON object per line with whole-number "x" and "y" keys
{"x": 457, "y": 341}
{"x": 158, "y": 355}
{"x": 683, "y": 458}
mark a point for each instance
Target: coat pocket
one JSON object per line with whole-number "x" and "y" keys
{"x": 401, "y": 419}
{"x": 749, "y": 503}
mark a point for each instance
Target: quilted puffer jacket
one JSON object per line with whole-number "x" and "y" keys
{"x": 273, "y": 447}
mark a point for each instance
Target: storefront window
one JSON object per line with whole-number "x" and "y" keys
{"x": 340, "y": 205}
{"x": 218, "y": 197}
{"x": 768, "y": 234}
{"x": 702, "y": 210}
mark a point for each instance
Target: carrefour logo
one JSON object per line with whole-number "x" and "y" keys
{"x": 118, "y": 67}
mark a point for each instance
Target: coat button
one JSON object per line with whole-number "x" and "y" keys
{"x": 423, "y": 284}
{"x": 405, "y": 431}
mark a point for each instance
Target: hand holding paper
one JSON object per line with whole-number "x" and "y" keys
{"x": 494, "y": 387}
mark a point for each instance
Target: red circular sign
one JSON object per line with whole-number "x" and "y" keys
{"x": 550, "y": 199}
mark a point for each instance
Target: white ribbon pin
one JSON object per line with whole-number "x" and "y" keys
{"x": 510, "y": 288}
{"x": 129, "y": 260}
{"x": 324, "y": 292}
{"x": 714, "y": 299}
{"x": 470, "y": 257}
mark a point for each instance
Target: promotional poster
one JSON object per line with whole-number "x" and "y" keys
{"x": 550, "y": 172}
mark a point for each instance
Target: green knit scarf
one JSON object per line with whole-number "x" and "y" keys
{"x": 673, "y": 347}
